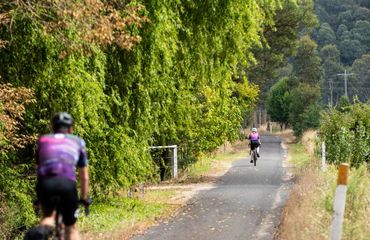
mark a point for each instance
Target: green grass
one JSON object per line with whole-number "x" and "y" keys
{"x": 215, "y": 163}
{"x": 356, "y": 219}
{"x": 200, "y": 167}
{"x": 298, "y": 156}
{"x": 121, "y": 213}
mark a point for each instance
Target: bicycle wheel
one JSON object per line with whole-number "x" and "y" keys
{"x": 255, "y": 157}
{"x": 59, "y": 228}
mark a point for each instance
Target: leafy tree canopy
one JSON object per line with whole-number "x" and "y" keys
{"x": 306, "y": 64}
{"x": 133, "y": 74}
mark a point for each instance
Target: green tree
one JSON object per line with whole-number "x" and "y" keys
{"x": 345, "y": 131}
{"x": 13, "y": 138}
{"x": 306, "y": 63}
{"x": 331, "y": 66}
{"x": 303, "y": 107}
{"x": 280, "y": 40}
{"x": 349, "y": 19}
{"x": 361, "y": 77}
{"x": 361, "y": 32}
{"x": 343, "y": 104}
{"x": 329, "y": 53}
{"x": 350, "y": 50}
{"x": 346, "y": 18}
{"x": 278, "y": 101}
{"x": 343, "y": 33}
{"x": 364, "y": 4}
{"x": 325, "y": 35}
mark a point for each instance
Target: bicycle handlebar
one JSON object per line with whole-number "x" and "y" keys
{"x": 85, "y": 202}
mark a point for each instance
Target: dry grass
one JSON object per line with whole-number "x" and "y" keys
{"x": 309, "y": 140}
{"x": 308, "y": 212}
{"x": 305, "y": 215}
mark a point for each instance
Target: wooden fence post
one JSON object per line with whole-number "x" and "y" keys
{"x": 339, "y": 202}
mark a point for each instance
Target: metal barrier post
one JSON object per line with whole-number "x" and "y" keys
{"x": 339, "y": 202}
{"x": 173, "y": 160}
{"x": 323, "y": 157}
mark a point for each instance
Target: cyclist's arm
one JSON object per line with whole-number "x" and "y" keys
{"x": 84, "y": 178}
{"x": 83, "y": 172}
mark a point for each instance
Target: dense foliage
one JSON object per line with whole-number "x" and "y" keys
{"x": 278, "y": 101}
{"x": 14, "y": 189}
{"x": 294, "y": 99}
{"x": 295, "y": 18}
{"x": 345, "y": 131}
{"x": 344, "y": 33}
{"x": 132, "y": 75}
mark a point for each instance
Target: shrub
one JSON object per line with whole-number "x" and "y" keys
{"x": 347, "y": 134}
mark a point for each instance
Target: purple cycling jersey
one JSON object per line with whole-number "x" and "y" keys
{"x": 58, "y": 155}
{"x": 254, "y": 136}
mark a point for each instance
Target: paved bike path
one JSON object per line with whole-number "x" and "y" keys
{"x": 245, "y": 204}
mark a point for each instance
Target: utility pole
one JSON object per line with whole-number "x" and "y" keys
{"x": 345, "y": 74}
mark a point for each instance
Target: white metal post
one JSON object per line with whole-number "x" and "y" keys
{"x": 174, "y": 163}
{"x": 173, "y": 160}
{"x": 339, "y": 202}
{"x": 323, "y": 157}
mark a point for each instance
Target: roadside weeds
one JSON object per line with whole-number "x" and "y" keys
{"x": 303, "y": 217}
{"x": 308, "y": 212}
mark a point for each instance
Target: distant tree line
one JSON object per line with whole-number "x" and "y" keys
{"x": 343, "y": 40}
{"x": 330, "y": 63}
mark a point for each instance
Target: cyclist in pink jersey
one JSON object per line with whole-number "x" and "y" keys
{"x": 255, "y": 141}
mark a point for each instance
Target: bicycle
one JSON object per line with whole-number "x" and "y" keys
{"x": 254, "y": 156}
{"x": 46, "y": 232}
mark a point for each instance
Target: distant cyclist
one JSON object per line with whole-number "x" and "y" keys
{"x": 255, "y": 141}
{"x": 57, "y": 156}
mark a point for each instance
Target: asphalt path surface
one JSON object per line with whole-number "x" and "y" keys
{"x": 246, "y": 203}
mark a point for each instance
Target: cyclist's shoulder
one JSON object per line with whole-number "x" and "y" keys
{"x": 68, "y": 136}
{"x": 75, "y": 138}
{"x": 45, "y": 137}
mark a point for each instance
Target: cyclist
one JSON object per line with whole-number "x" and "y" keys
{"x": 57, "y": 156}
{"x": 255, "y": 141}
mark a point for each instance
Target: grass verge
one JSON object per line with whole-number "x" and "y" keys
{"x": 213, "y": 165}
{"x": 121, "y": 217}
{"x": 308, "y": 212}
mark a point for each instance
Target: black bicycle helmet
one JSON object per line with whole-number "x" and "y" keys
{"x": 62, "y": 119}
